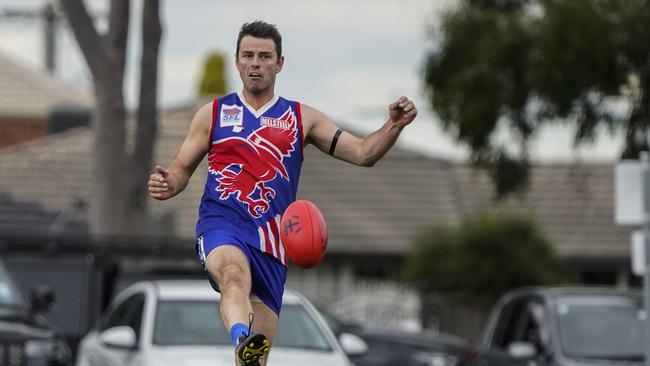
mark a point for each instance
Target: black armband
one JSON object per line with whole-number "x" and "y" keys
{"x": 335, "y": 139}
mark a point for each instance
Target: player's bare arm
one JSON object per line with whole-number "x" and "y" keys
{"x": 325, "y": 135}
{"x": 165, "y": 183}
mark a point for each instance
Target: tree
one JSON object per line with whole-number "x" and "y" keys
{"x": 517, "y": 65}
{"x": 213, "y": 82}
{"x": 119, "y": 173}
{"x": 483, "y": 257}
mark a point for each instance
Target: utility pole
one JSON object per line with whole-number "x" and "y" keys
{"x": 50, "y": 28}
{"x": 50, "y": 17}
{"x": 645, "y": 176}
{"x": 632, "y": 207}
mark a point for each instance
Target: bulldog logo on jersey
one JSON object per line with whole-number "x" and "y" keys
{"x": 243, "y": 166}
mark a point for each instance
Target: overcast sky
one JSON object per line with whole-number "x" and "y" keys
{"x": 349, "y": 59}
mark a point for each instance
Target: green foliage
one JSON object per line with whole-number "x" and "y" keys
{"x": 485, "y": 256}
{"x": 213, "y": 82}
{"x": 516, "y": 65}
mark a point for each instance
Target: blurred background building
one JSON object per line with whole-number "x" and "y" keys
{"x": 373, "y": 215}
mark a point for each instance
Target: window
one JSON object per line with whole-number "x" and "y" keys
{"x": 506, "y": 323}
{"x": 537, "y": 328}
{"x": 189, "y": 322}
{"x": 128, "y": 313}
{"x": 297, "y": 329}
{"x": 526, "y": 320}
{"x": 197, "y": 322}
{"x": 602, "y": 328}
{"x": 9, "y": 294}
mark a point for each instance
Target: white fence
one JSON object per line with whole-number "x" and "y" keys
{"x": 379, "y": 304}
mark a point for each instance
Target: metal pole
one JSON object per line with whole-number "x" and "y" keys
{"x": 49, "y": 17}
{"x": 645, "y": 168}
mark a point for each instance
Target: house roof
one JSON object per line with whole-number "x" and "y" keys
{"x": 29, "y": 93}
{"x": 572, "y": 203}
{"x": 378, "y": 209}
{"x": 368, "y": 210}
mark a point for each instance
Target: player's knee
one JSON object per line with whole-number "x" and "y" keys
{"x": 231, "y": 277}
{"x": 229, "y": 267}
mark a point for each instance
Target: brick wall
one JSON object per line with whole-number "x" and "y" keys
{"x": 16, "y": 130}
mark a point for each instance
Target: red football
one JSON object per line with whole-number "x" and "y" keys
{"x": 303, "y": 233}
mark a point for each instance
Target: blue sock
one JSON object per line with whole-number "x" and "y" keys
{"x": 238, "y": 330}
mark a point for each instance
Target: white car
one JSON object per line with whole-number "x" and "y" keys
{"x": 175, "y": 323}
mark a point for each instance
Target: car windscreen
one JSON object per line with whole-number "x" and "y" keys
{"x": 602, "y": 328}
{"x": 298, "y": 329}
{"x": 184, "y": 322}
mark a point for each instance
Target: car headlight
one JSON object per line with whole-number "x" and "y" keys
{"x": 51, "y": 349}
{"x": 436, "y": 359}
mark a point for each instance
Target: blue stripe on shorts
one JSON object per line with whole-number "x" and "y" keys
{"x": 268, "y": 275}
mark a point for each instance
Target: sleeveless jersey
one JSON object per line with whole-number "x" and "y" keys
{"x": 254, "y": 166}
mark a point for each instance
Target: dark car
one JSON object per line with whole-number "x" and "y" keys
{"x": 381, "y": 347}
{"x": 26, "y": 339}
{"x": 561, "y": 326}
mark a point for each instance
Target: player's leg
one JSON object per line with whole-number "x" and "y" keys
{"x": 268, "y": 276}
{"x": 229, "y": 267}
{"x": 266, "y": 322}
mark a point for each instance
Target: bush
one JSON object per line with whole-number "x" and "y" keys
{"x": 483, "y": 257}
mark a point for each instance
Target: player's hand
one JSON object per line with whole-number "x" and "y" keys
{"x": 402, "y": 112}
{"x": 159, "y": 185}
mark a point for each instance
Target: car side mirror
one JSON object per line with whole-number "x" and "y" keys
{"x": 352, "y": 344}
{"x": 119, "y": 337}
{"x": 522, "y": 350}
{"x": 42, "y": 299}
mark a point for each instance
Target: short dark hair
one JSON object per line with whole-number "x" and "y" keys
{"x": 261, "y": 29}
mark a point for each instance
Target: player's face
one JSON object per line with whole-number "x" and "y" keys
{"x": 258, "y": 63}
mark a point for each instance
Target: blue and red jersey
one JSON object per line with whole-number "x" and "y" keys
{"x": 254, "y": 166}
